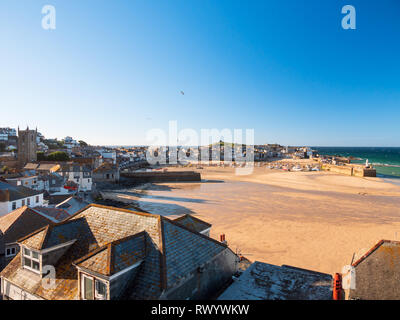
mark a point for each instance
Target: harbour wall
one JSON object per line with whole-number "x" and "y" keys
{"x": 169, "y": 176}
{"x": 350, "y": 170}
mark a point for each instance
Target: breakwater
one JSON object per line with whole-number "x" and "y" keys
{"x": 169, "y": 176}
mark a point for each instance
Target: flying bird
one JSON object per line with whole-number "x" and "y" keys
{"x": 182, "y": 93}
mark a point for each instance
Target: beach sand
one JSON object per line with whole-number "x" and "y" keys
{"x": 313, "y": 220}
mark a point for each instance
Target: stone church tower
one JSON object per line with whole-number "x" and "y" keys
{"x": 27, "y": 146}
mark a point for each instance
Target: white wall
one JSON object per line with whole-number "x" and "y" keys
{"x": 6, "y": 207}
{"x": 85, "y": 184}
{"x": 16, "y": 293}
{"x": 3, "y": 208}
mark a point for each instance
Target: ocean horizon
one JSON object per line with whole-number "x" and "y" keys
{"x": 386, "y": 160}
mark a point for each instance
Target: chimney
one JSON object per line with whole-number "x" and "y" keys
{"x": 337, "y": 287}
{"x": 222, "y": 238}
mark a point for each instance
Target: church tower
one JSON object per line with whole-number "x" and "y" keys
{"x": 27, "y": 146}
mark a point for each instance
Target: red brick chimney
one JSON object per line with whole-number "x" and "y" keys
{"x": 222, "y": 238}
{"x": 337, "y": 287}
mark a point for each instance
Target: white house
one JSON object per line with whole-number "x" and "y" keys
{"x": 79, "y": 174}
{"x": 70, "y": 143}
{"x": 14, "y": 197}
{"x": 108, "y": 154}
{"x": 25, "y": 181}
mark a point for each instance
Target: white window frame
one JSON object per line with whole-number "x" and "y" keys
{"x": 83, "y": 276}
{"x": 97, "y": 295}
{"x": 30, "y": 257}
{"x": 95, "y": 282}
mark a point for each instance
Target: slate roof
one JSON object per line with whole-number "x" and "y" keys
{"x": 19, "y": 223}
{"x": 376, "y": 273}
{"x": 48, "y": 167}
{"x": 31, "y": 166}
{"x": 72, "y": 205}
{"x": 263, "y": 281}
{"x": 55, "y": 199}
{"x": 42, "y": 166}
{"x": 9, "y": 192}
{"x": 193, "y": 223}
{"x": 54, "y": 214}
{"x": 387, "y": 243}
{"x": 106, "y": 167}
{"x": 75, "y": 167}
{"x": 116, "y": 256}
{"x": 109, "y": 239}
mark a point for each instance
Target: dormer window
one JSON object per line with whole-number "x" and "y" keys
{"x": 93, "y": 288}
{"x": 10, "y": 252}
{"x": 31, "y": 260}
{"x": 101, "y": 290}
{"x": 87, "y": 288}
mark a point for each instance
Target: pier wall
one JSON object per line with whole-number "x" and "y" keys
{"x": 350, "y": 170}
{"x": 172, "y": 176}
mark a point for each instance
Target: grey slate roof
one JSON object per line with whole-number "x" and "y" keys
{"x": 9, "y": 192}
{"x": 263, "y": 281}
{"x": 116, "y": 256}
{"x": 377, "y": 273}
{"x": 72, "y": 205}
{"x": 19, "y": 223}
{"x": 193, "y": 223}
{"x": 183, "y": 251}
{"x": 54, "y": 214}
{"x": 171, "y": 251}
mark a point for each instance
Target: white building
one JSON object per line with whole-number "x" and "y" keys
{"x": 108, "y": 154}
{"x": 25, "y": 181}
{"x": 70, "y": 143}
{"x": 7, "y": 132}
{"x": 14, "y": 197}
{"x": 79, "y": 174}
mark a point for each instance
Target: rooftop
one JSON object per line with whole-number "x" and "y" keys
{"x": 105, "y": 167}
{"x": 53, "y": 214}
{"x": 109, "y": 239}
{"x": 21, "y": 222}
{"x": 9, "y": 192}
{"x": 392, "y": 250}
{"x": 193, "y": 223}
{"x": 263, "y": 281}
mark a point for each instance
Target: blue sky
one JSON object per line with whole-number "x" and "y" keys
{"x": 112, "y": 70}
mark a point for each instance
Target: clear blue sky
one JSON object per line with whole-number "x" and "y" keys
{"x": 113, "y": 69}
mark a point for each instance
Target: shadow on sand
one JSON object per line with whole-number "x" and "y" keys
{"x": 164, "y": 209}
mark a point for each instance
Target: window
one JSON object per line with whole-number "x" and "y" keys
{"x": 31, "y": 260}
{"x": 23, "y": 202}
{"x": 87, "y": 287}
{"x": 101, "y": 290}
{"x": 10, "y": 252}
{"x": 14, "y": 205}
{"x": 29, "y": 201}
{"x": 37, "y": 199}
{"x": 92, "y": 288}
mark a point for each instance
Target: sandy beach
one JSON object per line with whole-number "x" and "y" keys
{"x": 313, "y": 220}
